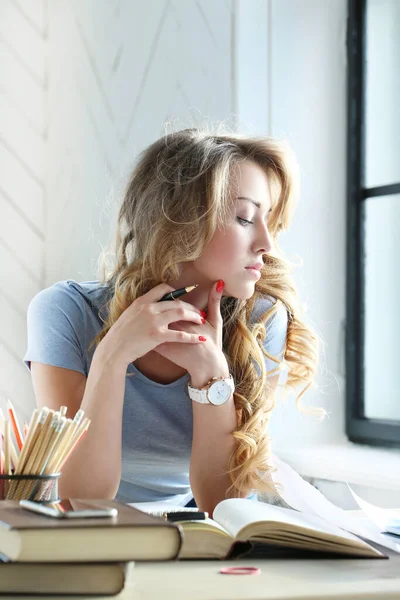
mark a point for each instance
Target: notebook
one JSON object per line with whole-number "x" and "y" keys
{"x": 26, "y": 536}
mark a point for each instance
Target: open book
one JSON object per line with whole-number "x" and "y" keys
{"x": 262, "y": 526}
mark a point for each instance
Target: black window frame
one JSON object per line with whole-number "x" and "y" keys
{"x": 359, "y": 428}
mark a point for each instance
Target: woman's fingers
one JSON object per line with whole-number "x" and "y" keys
{"x": 173, "y": 305}
{"x": 144, "y": 325}
{"x": 214, "y": 304}
{"x": 181, "y": 314}
{"x": 155, "y": 294}
{"x": 183, "y": 337}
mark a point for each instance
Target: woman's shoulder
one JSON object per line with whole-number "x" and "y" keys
{"x": 275, "y": 309}
{"x": 276, "y": 328}
{"x": 70, "y": 295}
{"x": 62, "y": 321}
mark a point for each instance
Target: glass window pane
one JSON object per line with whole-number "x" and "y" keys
{"x": 382, "y": 308}
{"x": 382, "y": 93}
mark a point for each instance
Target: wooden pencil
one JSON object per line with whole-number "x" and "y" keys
{"x": 35, "y": 488}
{"x": 41, "y": 426}
{"x": 6, "y": 448}
{"x": 14, "y": 454}
{"x": 1, "y": 455}
{"x": 82, "y": 426}
{"x": 63, "y": 440}
{"x": 65, "y": 443}
{"x": 28, "y": 440}
{"x": 55, "y": 440}
{"x": 37, "y": 447}
{"x": 73, "y": 443}
{"x": 43, "y": 442}
{"x": 2, "y": 422}
{"x": 67, "y": 455}
{"x": 45, "y": 446}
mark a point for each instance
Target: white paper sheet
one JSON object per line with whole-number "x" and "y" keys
{"x": 380, "y": 516}
{"x": 301, "y": 495}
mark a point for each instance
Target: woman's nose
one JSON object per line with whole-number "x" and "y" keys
{"x": 264, "y": 242}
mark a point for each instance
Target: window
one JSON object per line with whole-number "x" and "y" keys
{"x": 373, "y": 224}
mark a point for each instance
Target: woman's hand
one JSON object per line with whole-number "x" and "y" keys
{"x": 144, "y": 325}
{"x": 206, "y": 360}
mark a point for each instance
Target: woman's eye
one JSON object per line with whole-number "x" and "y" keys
{"x": 244, "y": 222}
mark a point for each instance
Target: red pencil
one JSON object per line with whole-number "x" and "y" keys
{"x": 15, "y": 426}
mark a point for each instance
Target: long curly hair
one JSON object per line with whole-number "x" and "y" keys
{"x": 175, "y": 198}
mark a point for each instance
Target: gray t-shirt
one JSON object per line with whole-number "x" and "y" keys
{"x": 157, "y": 418}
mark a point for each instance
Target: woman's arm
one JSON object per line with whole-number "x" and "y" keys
{"x": 212, "y": 446}
{"x": 213, "y": 442}
{"x": 94, "y": 468}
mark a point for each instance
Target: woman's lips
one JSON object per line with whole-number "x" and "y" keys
{"x": 254, "y": 272}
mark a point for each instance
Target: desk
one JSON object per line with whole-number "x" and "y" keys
{"x": 280, "y": 579}
{"x": 363, "y": 579}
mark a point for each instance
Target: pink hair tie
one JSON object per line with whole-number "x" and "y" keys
{"x": 240, "y": 571}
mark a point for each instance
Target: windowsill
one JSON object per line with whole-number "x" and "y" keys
{"x": 345, "y": 461}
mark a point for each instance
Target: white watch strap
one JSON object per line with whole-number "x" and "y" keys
{"x": 200, "y": 396}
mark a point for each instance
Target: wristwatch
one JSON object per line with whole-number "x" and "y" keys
{"x": 217, "y": 391}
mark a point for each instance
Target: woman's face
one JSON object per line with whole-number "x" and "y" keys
{"x": 244, "y": 240}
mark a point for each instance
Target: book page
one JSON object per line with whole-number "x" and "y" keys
{"x": 203, "y": 525}
{"x": 158, "y": 508}
{"x": 303, "y": 496}
{"x": 235, "y": 513}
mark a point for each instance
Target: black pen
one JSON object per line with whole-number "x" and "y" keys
{"x": 177, "y": 293}
{"x": 185, "y": 516}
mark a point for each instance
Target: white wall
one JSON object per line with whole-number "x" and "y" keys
{"x": 22, "y": 187}
{"x": 84, "y": 86}
{"x": 117, "y": 73}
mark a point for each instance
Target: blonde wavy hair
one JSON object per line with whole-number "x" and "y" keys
{"x": 176, "y": 197}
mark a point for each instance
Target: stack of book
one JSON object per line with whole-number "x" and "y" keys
{"x": 90, "y": 556}
{"x": 45, "y": 555}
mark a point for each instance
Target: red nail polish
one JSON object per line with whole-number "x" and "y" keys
{"x": 220, "y": 286}
{"x": 203, "y": 313}
{"x": 202, "y": 338}
{"x": 203, "y": 321}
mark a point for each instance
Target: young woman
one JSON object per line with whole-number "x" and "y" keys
{"x": 180, "y": 392}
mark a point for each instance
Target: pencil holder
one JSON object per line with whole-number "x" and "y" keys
{"x": 39, "y": 488}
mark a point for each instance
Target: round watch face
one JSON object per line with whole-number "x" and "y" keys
{"x": 219, "y": 392}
